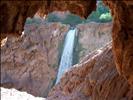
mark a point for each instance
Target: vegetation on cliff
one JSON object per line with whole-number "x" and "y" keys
{"x": 102, "y": 14}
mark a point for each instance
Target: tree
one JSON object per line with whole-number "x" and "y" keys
{"x": 70, "y": 19}
{"x": 102, "y": 14}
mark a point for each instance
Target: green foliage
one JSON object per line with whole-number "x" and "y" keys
{"x": 28, "y": 21}
{"x": 102, "y": 14}
{"x": 33, "y": 21}
{"x": 105, "y": 17}
{"x": 70, "y": 19}
{"x": 53, "y": 18}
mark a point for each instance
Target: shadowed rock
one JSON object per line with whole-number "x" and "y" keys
{"x": 95, "y": 78}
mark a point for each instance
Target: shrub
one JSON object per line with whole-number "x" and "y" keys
{"x": 70, "y": 19}
{"x": 53, "y": 18}
{"x": 105, "y": 17}
{"x": 102, "y": 14}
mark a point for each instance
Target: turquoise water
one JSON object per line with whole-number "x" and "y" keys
{"x": 67, "y": 55}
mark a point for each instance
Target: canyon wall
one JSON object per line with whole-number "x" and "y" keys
{"x": 111, "y": 83}
{"x": 29, "y": 63}
{"x": 92, "y": 36}
{"x": 14, "y": 13}
{"x": 94, "y": 78}
{"x": 122, "y": 36}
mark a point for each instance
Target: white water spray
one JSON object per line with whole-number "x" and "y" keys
{"x": 67, "y": 55}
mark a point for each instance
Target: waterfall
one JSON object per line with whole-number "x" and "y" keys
{"x": 67, "y": 55}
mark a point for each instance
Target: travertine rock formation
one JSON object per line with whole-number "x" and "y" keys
{"x": 14, "y": 13}
{"x": 95, "y": 78}
{"x": 29, "y": 63}
{"x": 93, "y": 36}
{"x": 13, "y": 16}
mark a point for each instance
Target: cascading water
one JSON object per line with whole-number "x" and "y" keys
{"x": 67, "y": 55}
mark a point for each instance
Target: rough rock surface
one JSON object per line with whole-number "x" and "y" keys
{"x": 93, "y": 36}
{"x": 95, "y": 78}
{"x": 13, "y": 94}
{"x": 122, "y": 31}
{"x": 29, "y": 63}
{"x": 122, "y": 36}
{"x": 14, "y": 13}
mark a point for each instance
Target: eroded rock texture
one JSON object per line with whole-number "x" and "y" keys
{"x": 95, "y": 78}
{"x": 92, "y": 36}
{"x": 123, "y": 36}
{"x": 14, "y": 13}
{"x": 13, "y": 16}
{"x": 29, "y": 63}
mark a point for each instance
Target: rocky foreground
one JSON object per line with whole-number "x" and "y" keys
{"x": 95, "y": 78}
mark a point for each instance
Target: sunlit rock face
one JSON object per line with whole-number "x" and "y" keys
{"x": 29, "y": 63}
{"x": 92, "y": 36}
{"x": 94, "y": 78}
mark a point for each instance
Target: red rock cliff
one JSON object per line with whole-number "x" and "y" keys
{"x": 13, "y": 15}
{"x": 122, "y": 36}
{"x": 26, "y": 62}
{"x": 95, "y": 78}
